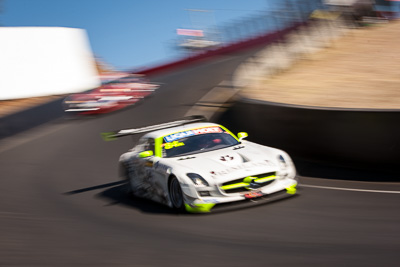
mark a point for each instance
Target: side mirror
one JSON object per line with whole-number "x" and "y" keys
{"x": 146, "y": 154}
{"x": 242, "y": 135}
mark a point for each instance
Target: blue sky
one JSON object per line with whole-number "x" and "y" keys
{"x": 128, "y": 33}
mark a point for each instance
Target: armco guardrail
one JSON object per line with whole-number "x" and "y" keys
{"x": 351, "y": 138}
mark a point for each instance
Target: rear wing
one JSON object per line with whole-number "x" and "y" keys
{"x": 109, "y": 136}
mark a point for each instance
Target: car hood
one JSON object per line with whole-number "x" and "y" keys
{"x": 230, "y": 163}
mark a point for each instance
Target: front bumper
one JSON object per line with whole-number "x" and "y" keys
{"x": 251, "y": 198}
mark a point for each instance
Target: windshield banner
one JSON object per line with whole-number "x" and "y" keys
{"x": 176, "y": 136}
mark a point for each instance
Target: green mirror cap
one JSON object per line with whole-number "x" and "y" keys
{"x": 242, "y": 135}
{"x": 146, "y": 154}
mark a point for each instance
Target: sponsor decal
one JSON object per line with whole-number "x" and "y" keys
{"x": 172, "y": 144}
{"x": 176, "y": 136}
{"x": 226, "y": 158}
{"x": 253, "y": 194}
{"x": 207, "y": 130}
{"x": 180, "y": 135}
{"x": 244, "y": 166}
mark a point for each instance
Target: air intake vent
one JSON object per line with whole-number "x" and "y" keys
{"x": 245, "y": 159}
{"x": 185, "y": 158}
{"x": 248, "y": 183}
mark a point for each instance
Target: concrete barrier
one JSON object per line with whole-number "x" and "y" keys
{"x": 366, "y": 140}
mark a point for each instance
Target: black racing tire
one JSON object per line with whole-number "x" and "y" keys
{"x": 176, "y": 194}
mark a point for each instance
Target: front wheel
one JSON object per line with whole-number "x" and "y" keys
{"x": 176, "y": 195}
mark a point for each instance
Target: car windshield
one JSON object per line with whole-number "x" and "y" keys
{"x": 196, "y": 143}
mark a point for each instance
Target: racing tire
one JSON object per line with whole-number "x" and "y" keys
{"x": 176, "y": 195}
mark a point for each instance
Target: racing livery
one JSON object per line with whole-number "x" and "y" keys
{"x": 200, "y": 166}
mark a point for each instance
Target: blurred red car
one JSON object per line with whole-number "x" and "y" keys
{"x": 110, "y": 96}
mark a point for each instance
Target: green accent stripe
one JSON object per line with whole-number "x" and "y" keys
{"x": 247, "y": 181}
{"x": 110, "y": 136}
{"x": 291, "y": 189}
{"x": 157, "y": 146}
{"x": 226, "y": 130}
{"x": 232, "y": 186}
{"x": 199, "y": 207}
{"x": 265, "y": 179}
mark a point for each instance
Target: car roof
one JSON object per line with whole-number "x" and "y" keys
{"x": 186, "y": 127}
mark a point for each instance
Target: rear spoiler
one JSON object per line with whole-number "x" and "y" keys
{"x": 109, "y": 136}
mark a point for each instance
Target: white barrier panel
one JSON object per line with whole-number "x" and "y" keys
{"x": 41, "y": 61}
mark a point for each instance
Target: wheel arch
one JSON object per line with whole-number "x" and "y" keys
{"x": 170, "y": 177}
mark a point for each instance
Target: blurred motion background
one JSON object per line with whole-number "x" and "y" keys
{"x": 62, "y": 201}
{"x": 72, "y": 46}
{"x": 131, "y": 37}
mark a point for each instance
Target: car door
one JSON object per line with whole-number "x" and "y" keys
{"x": 147, "y": 182}
{"x": 140, "y": 172}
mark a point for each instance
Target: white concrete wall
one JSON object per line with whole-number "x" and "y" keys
{"x": 41, "y": 61}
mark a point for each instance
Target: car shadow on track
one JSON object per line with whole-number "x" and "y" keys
{"x": 117, "y": 193}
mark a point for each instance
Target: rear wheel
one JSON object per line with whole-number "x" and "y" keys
{"x": 175, "y": 194}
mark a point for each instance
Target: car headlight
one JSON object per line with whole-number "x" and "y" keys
{"x": 197, "y": 179}
{"x": 282, "y": 162}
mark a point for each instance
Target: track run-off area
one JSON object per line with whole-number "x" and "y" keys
{"x": 62, "y": 203}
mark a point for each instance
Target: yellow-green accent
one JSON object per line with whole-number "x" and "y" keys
{"x": 199, "y": 208}
{"x": 226, "y": 130}
{"x": 242, "y": 135}
{"x": 146, "y": 154}
{"x": 173, "y": 144}
{"x": 246, "y": 182}
{"x": 109, "y": 136}
{"x": 265, "y": 179}
{"x": 157, "y": 146}
{"x": 233, "y": 186}
{"x": 248, "y": 179}
{"x": 291, "y": 189}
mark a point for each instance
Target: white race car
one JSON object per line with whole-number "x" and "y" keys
{"x": 201, "y": 166}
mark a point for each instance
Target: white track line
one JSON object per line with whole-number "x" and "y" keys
{"x": 350, "y": 189}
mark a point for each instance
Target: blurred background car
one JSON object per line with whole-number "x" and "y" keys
{"x": 110, "y": 96}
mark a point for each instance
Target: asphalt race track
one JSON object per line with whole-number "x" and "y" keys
{"x": 61, "y": 203}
